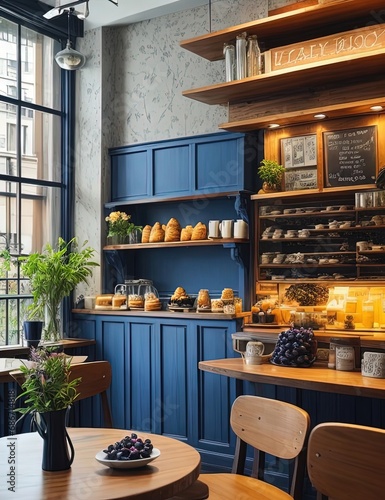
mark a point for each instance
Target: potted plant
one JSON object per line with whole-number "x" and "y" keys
{"x": 48, "y": 393}
{"x": 54, "y": 273}
{"x": 271, "y": 174}
{"x": 121, "y": 228}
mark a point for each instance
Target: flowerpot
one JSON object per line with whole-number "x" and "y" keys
{"x": 269, "y": 188}
{"x": 58, "y": 451}
{"x": 32, "y": 332}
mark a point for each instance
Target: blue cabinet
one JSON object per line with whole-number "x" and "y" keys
{"x": 156, "y": 384}
{"x": 190, "y": 166}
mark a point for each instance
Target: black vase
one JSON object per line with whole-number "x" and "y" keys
{"x": 32, "y": 332}
{"x": 58, "y": 451}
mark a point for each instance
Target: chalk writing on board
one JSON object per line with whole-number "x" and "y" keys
{"x": 350, "y": 156}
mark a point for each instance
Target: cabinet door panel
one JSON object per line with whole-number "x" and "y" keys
{"x": 113, "y": 341}
{"x": 171, "y": 171}
{"x": 172, "y": 411}
{"x": 139, "y": 366}
{"x": 129, "y": 176}
{"x": 217, "y": 392}
{"x": 219, "y": 166}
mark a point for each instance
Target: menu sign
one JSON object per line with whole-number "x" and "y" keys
{"x": 350, "y": 156}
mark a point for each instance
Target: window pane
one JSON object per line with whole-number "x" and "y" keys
{"x": 40, "y": 217}
{"x": 40, "y": 75}
{"x": 40, "y": 145}
{"x": 8, "y": 58}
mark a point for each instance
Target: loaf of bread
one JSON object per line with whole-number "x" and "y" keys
{"x": 157, "y": 233}
{"x": 119, "y": 301}
{"x": 173, "y": 230}
{"x": 103, "y": 301}
{"x": 199, "y": 232}
{"x": 146, "y": 234}
{"x": 186, "y": 233}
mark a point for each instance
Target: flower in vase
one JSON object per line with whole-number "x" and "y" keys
{"x": 120, "y": 224}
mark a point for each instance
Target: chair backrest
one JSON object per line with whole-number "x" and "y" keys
{"x": 96, "y": 378}
{"x": 274, "y": 427}
{"x": 346, "y": 461}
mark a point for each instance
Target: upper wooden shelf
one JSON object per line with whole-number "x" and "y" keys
{"x": 353, "y": 66}
{"x": 168, "y": 244}
{"x": 295, "y": 25}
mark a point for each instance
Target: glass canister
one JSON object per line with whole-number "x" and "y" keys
{"x": 203, "y": 300}
{"x": 229, "y": 53}
{"x": 241, "y": 55}
{"x": 254, "y": 58}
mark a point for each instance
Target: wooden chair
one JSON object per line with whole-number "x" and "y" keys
{"x": 269, "y": 426}
{"x": 346, "y": 461}
{"x": 96, "y": 378}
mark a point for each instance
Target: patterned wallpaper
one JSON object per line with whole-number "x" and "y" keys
{"x": 131, "y": 91}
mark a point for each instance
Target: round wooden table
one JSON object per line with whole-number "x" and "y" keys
{"x": 175, "y": 469}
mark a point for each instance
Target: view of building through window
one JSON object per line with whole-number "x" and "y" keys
{"x": 30, "y": 161}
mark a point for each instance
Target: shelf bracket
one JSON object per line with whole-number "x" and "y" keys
{"x": 235, "y": 253}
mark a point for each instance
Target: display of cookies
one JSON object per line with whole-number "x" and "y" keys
{"x": 227, "y": 295}
{"x": 217, "y": 305}
{"x": 152, "y": 302}
{"x": 135, "y": 301}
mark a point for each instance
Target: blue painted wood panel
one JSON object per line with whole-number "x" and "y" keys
{"x": 171, "y": 171}
{"x": 219, "y": 165}
{"x": 129, "y": 175}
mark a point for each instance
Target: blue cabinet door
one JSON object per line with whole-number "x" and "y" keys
{"x": 130, "y": 174}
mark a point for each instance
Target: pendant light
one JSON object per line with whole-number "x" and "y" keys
{"x": 69, "y": 58}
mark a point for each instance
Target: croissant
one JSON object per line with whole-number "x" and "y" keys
{"x": 157, "y": 233}
{"x": 172, "y": 232}
{"x": 146, "y": 234}
{"x": 199, "y": 232}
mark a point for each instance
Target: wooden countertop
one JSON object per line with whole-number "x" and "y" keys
{"x": 163, "y": 314}
{"x": 316, "y": 377}
{"x": 10, "y": 351}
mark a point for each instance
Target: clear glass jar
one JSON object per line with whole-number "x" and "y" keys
{"x": 368, "y": 314}
{"x": 241, "y": 55}
{"x": 229, "y": 53}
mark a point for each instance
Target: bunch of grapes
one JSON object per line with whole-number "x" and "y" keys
{"x": 294, "y": 347}
{"x": 129, "y": 448}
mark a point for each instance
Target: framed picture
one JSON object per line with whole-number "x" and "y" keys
{"x": 299, "y": 151}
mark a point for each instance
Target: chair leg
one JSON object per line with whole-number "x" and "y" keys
{"x": 297, "y": 481}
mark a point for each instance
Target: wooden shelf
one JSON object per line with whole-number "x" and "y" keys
{"x": 170, "y": 244}
{"x": 293, "y": 25}
{"x": 347, "y": 68}
{"x": 309, "y": 193}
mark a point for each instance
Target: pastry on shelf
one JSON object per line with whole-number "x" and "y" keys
{"x": 146, "y": 234}
{"x": 173, "y": 230}
{"x": 203, "y": 301}
{"x": 119, "y": 301}
{"x": 181, "y": 299}
{"x": 135, "y": 301}
{"x": 199, "y": 232}
{"x": 227, "y": 295}
{"x": 217, "y": 305}
{"x": 152, "y": 302}
{"x": 103, "y": 301}
{"x": 157, "y": 233}
{"x": 186, "y": 233}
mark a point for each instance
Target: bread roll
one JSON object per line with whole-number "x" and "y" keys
{"x": 146, "y": 234}
{"x": 157, "y": 233}
{"x": 103, "y": 302}
{"x": 186, "y": 232}
{"x": 199, "y": 232}
{"x": 173, "y": 230}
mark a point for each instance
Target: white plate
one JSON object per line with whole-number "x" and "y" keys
{"x": 126, "y": 464}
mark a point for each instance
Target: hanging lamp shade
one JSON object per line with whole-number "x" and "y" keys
{"x": 70, "y": 58}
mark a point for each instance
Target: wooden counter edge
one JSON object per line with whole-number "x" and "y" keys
{"x": 69, "y": 343}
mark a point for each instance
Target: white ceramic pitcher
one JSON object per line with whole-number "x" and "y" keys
{"x": 226, "y": 228}
{"x": 241, "y": 229}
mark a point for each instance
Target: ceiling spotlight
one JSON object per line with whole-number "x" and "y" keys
{"x": 320, "y": 116}
{"x": 376, "y": 108}
{"x": 273, "y": 125}
{"x": 69, "y": 58}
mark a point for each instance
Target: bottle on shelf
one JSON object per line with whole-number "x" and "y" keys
{"x": 229, "y": 53}
{"x": 254, "y": 57}
{"x": 241, "y": 55}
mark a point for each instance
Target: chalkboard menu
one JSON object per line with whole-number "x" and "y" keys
{"x": 350, "y": 156}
